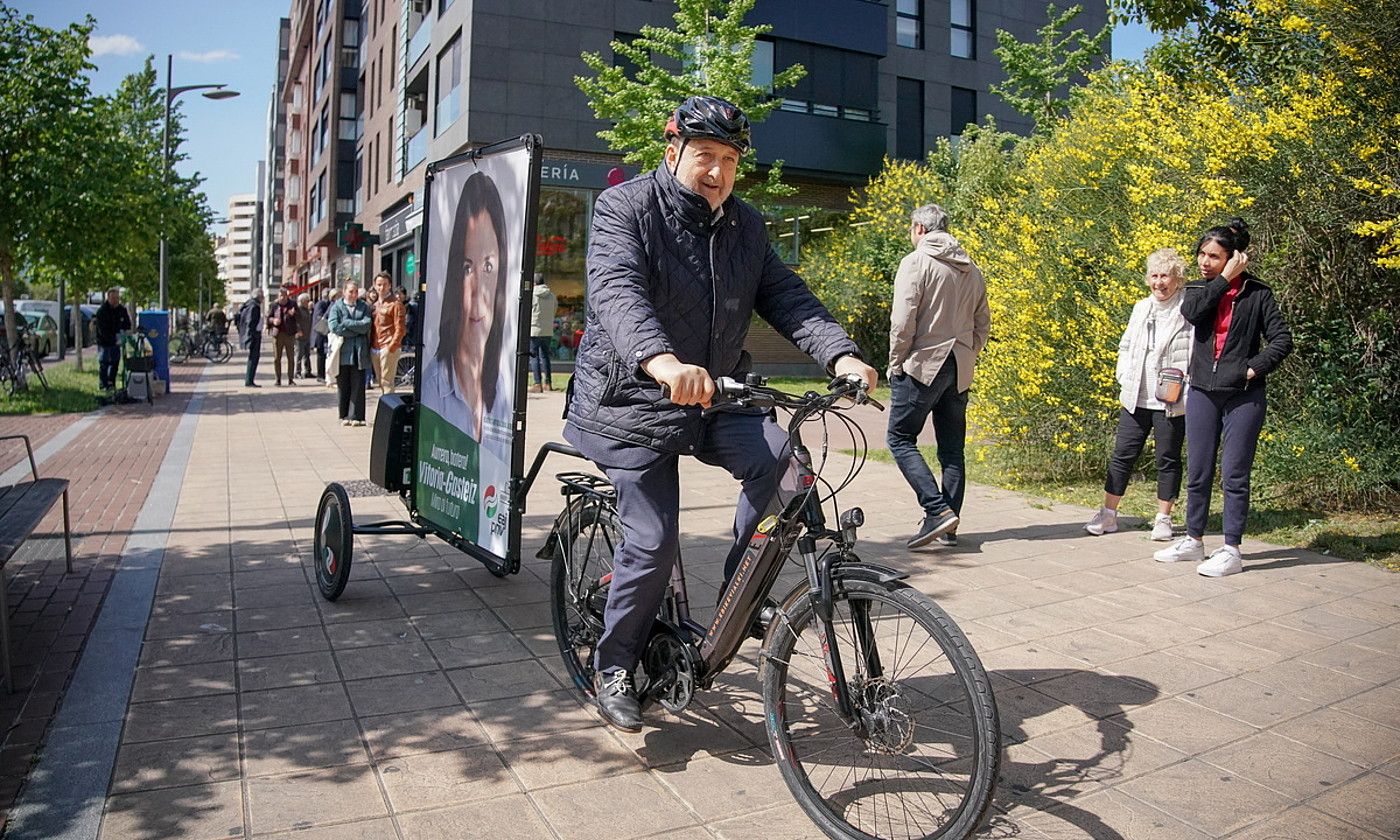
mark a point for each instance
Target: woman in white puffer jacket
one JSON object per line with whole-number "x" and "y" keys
{"x": 1157, "y": 338}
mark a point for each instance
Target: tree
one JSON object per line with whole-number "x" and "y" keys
{"x": 46, "y": 117}
{"x": 713, "y": 51}
{"x": 1036, "y": 71}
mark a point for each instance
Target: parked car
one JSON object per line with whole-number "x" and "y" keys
{"x": 43, "y": 332}
{"x": 88, "y": 310}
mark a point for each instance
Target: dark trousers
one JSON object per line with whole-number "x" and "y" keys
{"x": 648, "y": 501}
{"x": 1227, "y": 424}
{"x": 911, "y": 404}
{"x": 304, "y": 357}
{"x": 284, "y": 345}
{"x": 254, "y": 353}
{"x": 350, "y": 383}
{"x": 321, "y": 360}
{"x": 107, "y": 358}
{"x": 1167, "y": 435}
{"x": 539, "y": 357}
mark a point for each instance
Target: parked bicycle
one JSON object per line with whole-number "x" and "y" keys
{"x": 16, "y": 369}
{"x": 211, "y": 345}
{"x": 880, "y": 715}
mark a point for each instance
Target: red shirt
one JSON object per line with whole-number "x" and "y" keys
{"x": 1225, "y": 312}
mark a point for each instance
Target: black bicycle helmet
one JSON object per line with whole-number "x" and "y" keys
{"x": 710, "y": 118}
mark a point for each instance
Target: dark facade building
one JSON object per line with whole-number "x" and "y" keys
{"x": 436, "y": 77}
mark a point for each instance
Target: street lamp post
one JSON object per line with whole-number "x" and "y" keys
{"x": 171, "y": 93}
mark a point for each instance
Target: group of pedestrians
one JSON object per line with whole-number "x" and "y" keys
{"x": 1191, "y": 369}
{"x": 351, "y": 337}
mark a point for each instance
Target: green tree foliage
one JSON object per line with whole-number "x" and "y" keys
{"x": 710, "y": 52}
{"x": 46, "y": 118}
{"x": 1038, "y": 72}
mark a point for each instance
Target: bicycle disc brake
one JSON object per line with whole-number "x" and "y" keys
{"x": 671, "y": 668}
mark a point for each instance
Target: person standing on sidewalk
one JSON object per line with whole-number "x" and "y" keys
{"x": 108, "y": 324}
{"x": 939, "y": 323}
{"x": 304, "y": 323}
{"x": 1157, "y": 339}
{"x": 319, "y": 339}
{"x": 351, "y": 320}
{"x": 283, "y": 320}
{"x": 542, "y": 309}
{"x": 1240, "y": 337}
{"x": 250, "y": 324}
{"x": 390, "y": 327}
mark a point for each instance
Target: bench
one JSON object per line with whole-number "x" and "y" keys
{"x": 22, "y": 507}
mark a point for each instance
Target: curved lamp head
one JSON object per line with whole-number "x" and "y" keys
{"x": 220, "y": 94}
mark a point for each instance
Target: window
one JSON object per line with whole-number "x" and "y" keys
{"x": 763, "y": 65}
{"x": 963, "y": 106}
{"x": 909, "y": 23}
{"x": 963, "y": 29}
{"x": 909, "y": 119}
{"x": 350, "y": 119}
{"x": 628, "y": 66}
{"x": 449, "y": 78}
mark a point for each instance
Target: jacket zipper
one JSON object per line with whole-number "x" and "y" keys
{"x": 1216, "y": 364}
{"x": 714, "y": 298}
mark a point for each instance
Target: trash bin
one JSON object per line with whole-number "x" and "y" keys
{"x": 155, "y": 324}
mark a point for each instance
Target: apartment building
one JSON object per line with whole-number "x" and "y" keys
{"x": 272, "y": 177}
{"x": 234, "y": 251}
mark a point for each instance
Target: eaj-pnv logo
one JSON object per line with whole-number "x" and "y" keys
{"x": 489, "y": 499}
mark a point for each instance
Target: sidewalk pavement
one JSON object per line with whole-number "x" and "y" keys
{"x": 1137, "y": 700}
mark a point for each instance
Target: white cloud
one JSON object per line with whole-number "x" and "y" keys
{"x": 207, "y": 57}
{"x": 114, "y": 45}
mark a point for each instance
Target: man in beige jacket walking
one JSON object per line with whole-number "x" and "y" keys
{"x": 939, "y": 323}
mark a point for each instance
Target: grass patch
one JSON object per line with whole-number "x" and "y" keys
{"x": 69, "y": 391}
{"x": 1374, "y": 538}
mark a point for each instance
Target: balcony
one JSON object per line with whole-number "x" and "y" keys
{"x": 417, "y": 149}
{"x": 418, "y": 44}
{"x": 820, "y": 143}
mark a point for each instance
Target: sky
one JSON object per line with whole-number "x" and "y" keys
{"x": 232, "y": 42}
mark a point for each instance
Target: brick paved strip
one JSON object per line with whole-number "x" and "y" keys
{"x": 65, "y": 792}
{"x": 21, "y": 470}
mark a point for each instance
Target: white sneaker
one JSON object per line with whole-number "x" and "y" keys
{"x": 1162, "y": 528}
{"x": 1183, "y": 549}
{"x": 1104, "y": 522}
{"x": 1224, "y": 561}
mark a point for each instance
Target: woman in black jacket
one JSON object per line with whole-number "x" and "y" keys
{"x": 1240, "y": 337}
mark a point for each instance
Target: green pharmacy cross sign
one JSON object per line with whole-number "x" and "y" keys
{"x": 353, "y": 238}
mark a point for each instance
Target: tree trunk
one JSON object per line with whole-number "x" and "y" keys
{"x": 77, "y": 330}
{"x": 7, "y": 293}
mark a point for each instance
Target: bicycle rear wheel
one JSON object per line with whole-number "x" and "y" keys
{"x": 37, "y": 368}
{"x": 927, "y": 764}
{"x": 587, "y": 535}
{"x": 225, "y": 351}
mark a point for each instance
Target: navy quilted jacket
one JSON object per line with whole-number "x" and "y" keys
{"x": 667, "y": 275}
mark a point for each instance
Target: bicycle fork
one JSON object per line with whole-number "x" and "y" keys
{"x": 821, "y": 581}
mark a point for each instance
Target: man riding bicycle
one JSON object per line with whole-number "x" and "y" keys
{"x": 677, "y": 266}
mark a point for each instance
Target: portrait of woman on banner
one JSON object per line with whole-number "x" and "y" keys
{"x": 463, "y": 380}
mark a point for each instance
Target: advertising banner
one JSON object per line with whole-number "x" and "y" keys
{"x": 476, "y": 269}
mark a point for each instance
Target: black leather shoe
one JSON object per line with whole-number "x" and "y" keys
{"x": 617, "y": 700}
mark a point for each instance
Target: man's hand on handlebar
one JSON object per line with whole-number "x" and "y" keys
{"x": 688, "y": 384}
{"x": 855, "y": 368}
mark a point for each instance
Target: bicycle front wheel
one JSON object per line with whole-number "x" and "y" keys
{"x": 586, "y": 536}
{"x": 37, "y": 367}
{"x": 925, "y": 765}
{"x": 179, "y": 351}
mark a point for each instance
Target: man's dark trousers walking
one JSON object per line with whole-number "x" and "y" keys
{"x": 254, "y": 354}
{"x": 911, "y": 404}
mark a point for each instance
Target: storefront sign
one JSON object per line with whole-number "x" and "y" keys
{"x": 592, "y": 176}
{"x": 395, "y": 225}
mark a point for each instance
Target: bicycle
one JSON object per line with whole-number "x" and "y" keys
{"x": 207, "y": 343}
{"x": 863, "y": 739}
{"x": 18, "y": 366}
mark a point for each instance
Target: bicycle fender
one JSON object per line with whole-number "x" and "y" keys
{"x": 872, "y": 572}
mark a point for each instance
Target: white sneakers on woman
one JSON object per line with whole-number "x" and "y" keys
{"x": 1225, "y": 560}
{"x": 1106, "y": 522}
